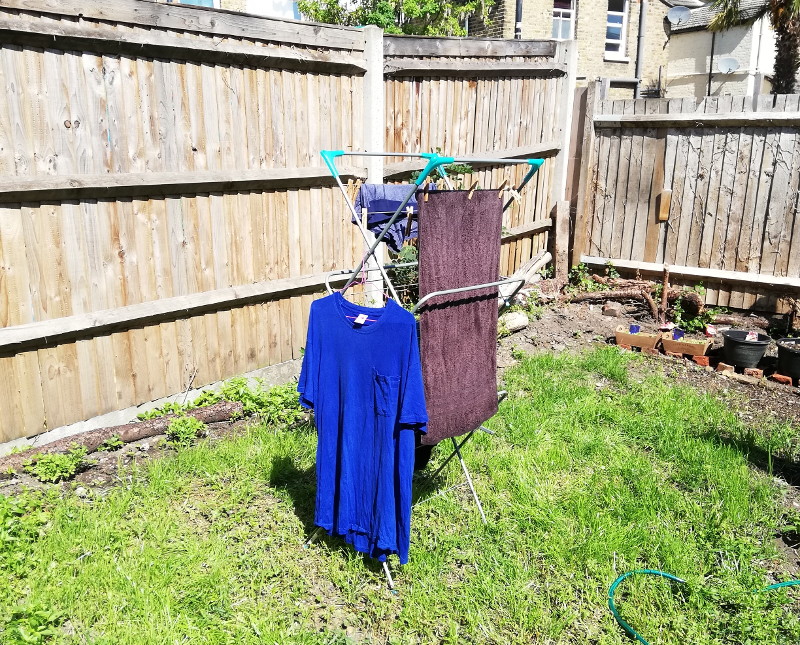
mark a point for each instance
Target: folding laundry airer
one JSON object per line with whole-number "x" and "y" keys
{"x": 434, "y": 163}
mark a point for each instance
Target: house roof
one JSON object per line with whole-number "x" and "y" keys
{"x": 701, "y": 17}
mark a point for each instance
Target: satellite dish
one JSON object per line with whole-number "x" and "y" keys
{"x": 727, "y": 64}
{"x": 678, "y": 15}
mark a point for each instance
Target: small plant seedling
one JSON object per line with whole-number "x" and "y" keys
{"x": 183, "y": 430}
{"x": 57, "y": 467}
{"x": 110, "y": 444}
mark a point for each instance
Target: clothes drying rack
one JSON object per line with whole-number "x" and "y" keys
{"x": 434, "y": 163}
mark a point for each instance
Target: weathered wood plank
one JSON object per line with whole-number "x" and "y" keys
{"x": 463, "y": 47}
{"x": 20, "y": 337}
{"x": 410, "y": 67}
{"x": 199, "y": 20}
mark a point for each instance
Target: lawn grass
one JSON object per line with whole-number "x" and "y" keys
{"x": 591, "y": 473}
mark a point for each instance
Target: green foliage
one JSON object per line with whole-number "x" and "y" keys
{"x": 57, "y": 467}
{"x": 21, "y": 519}
{"x": 405, "y": 279}
{"x": 171, "y": 407}
{"x": 502, "y": 330}
{"x": 693, "y": 323}
{"x": 110, "y": 444}
{"x": 580, "y": 279}
{"x": 547, "y": 272}
{"x": 31, "y": 625}
{"x": 454, "y": 171}
{"x": 183, "y": 431}
{"x": 277, "y": 405}
{"x": 418, "y": 17}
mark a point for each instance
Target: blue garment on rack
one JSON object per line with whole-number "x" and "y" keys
{"x": 364, "y": 383}
{"x": 381, "y": 201}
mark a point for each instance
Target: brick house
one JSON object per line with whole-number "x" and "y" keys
{"x": 606, "y": 31}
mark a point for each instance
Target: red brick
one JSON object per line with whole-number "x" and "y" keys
{"x": 651, "y": 350}
{"x": 702, "y": 361}
{"x": 780, "y": 378}
{"x": 674, "y": 354}
{"x": 724, "y": 367}
{"x": 624, "y": 346}
{"x": 754, "y": 372}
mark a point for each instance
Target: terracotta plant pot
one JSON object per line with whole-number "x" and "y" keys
{"x": 643, "y": 340}
{"x": 685, "y": 346}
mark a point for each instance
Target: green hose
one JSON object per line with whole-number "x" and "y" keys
{"x": 668, "y": 576}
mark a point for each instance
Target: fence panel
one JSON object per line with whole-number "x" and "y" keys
{"x": 729, "y": 176}
{"x": 164, "y": 214}
{"x": 483, "y": 98}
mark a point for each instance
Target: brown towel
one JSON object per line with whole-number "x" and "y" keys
{"x": 459, "y": 246}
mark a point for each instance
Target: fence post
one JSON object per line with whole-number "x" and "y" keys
{"x": 559, "y": 234}
{"x": 568, "y": 54}
{"x": 374, "y": 121}
{"x": 585, "y": 185}
{"x": 560, "y": 239}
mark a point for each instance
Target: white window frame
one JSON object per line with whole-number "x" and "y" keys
{"x": 563, "y": 15}
{"x": 623, "y": 41}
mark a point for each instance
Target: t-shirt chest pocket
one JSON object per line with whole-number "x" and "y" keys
{"x": 386, "y": 393}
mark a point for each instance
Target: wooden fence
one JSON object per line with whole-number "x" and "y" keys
{"x": 165, "y": 218}
{"x": 708, "y": 187}
{"x": 487, "y": 98}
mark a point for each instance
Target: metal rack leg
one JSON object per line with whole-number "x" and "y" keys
{"x": 457, "y": 450}
{"x": 311, "y": 539}
{"x": 389, "y": 580}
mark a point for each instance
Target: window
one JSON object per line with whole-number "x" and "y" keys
{"x": 563, "y": 19}
{"x": 616, "y": 27}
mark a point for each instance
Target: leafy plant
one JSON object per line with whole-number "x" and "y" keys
{"x": 420, "y": 17}
{"x": 171, "y": 407}
{"x": 580, "y": 279}
{"x": 57, "y": 467}
{"x": 691, "y": 323}
{"x": 31, "y": 625}
{"x": 406, "y": 279}
{"x": 110, "y": 444}
{"x": 547, "y": 272}
{"x": 183, "y": 430}
{"x": 21, "y": 518}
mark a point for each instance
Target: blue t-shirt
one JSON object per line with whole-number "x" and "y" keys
{"x": 364, "y": 382}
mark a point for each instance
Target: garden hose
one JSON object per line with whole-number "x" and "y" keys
{"x": 631, "y": 631}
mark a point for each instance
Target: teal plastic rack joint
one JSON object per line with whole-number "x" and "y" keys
{"x": 329, "y": 157}
{"x": 434, "y": 161}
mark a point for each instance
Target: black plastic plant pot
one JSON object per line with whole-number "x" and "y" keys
{"x": 742, "y": 352}
{"x": 789, "y": 357}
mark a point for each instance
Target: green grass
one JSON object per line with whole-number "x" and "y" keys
{"x": 591, "y": 473}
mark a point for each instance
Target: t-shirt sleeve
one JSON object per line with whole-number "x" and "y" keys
{"x": 306, "y": 386}
{"x": 412, "y": 396}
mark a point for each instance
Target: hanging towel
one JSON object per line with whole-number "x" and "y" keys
{"x": 381, "y": 201}
{"x": 459, "y": 246}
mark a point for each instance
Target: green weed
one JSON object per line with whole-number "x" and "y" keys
{"x": 111, "y": 444}
{"x": 57, "y": 467}
{"x": 182, "y": 431}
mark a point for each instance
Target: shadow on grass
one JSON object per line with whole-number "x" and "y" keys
{"x": 786, "y": 469}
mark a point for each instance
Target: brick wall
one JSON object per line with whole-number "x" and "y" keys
{"x": 501, "y": 25}
{"x": 590, "y": 30}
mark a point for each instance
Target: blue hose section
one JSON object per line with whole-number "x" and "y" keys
{"x": 653, "y": 572}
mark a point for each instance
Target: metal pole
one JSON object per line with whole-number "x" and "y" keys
{"x": 518, "y": 21}
{"x": 637, "y": 93}
{"x": 469, "y": 479}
